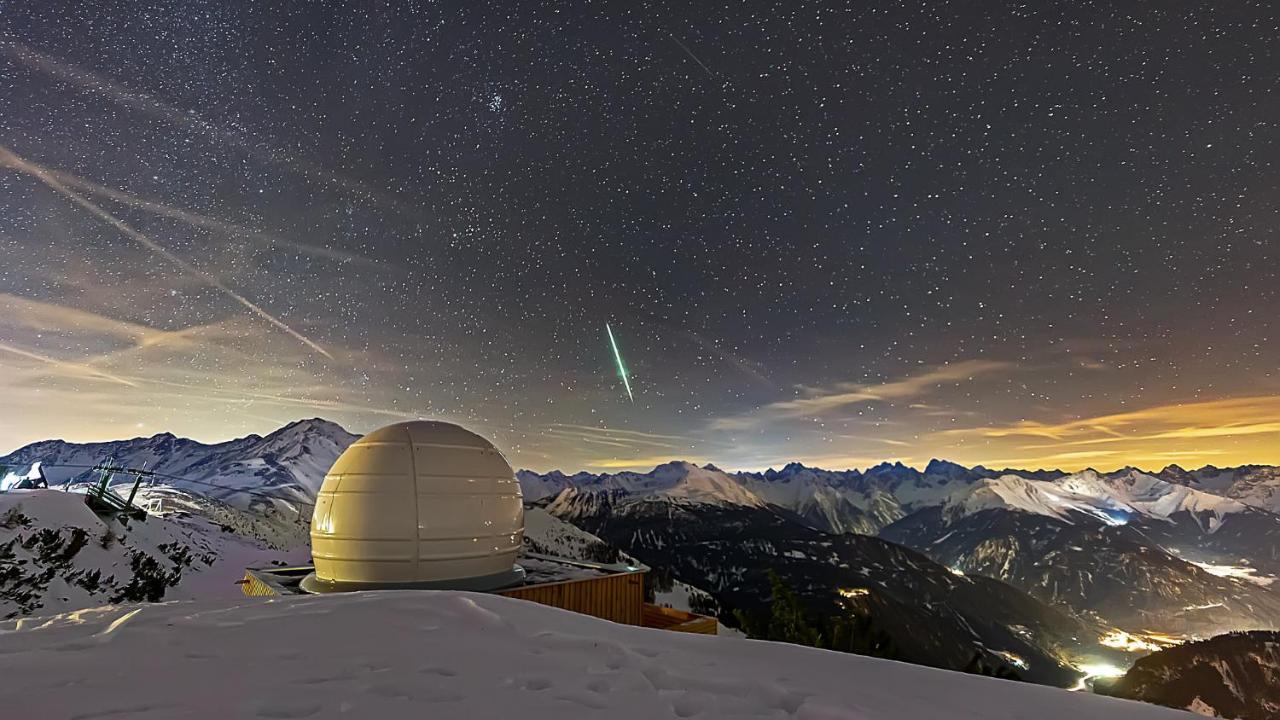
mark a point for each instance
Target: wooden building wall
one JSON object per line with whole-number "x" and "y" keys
{"x": 619, "y": 598}
{"x": 253, "y": 586}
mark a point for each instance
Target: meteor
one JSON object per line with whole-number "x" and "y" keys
{"x": 617, "y": 356}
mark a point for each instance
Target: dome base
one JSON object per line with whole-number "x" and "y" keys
{"x": 483, "y": 583}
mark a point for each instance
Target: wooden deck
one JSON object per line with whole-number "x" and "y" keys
{"x": 665, "y": 618}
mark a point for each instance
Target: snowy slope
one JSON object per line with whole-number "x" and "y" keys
{"x": 549, "y": 535}
{"x": 56, "y": 555}
{"x": 420, "y": 654}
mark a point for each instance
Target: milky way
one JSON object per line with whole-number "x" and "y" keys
{"x": 1010, "y": 233}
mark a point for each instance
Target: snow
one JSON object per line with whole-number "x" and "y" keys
{"x": 1236, "y": 572}
{"x": 416, "y": 654}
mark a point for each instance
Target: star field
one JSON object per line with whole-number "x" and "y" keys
{"x": 1008, "y": 233}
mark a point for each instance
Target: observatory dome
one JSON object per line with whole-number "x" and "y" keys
{"x": 417, "y": 504}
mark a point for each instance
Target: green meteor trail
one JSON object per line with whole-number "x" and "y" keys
{"x": 622, "y": 370}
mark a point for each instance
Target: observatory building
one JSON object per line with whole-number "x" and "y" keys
{"x": 417, "y": 505}
{"x": 433, "y": 506}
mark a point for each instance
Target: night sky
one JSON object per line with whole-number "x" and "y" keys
{"x": 1028, "y": 234}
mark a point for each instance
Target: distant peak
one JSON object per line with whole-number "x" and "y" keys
{"x": 676, "y": 465}
{"x": 943, "y": 467}
{"x": 313, "y": 424}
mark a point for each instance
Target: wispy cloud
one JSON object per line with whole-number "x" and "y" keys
{"x": 1178, "y": 421}
{"x": 13, "y": 161}
{"x": 210, "y": 223}
{"x": 617, "y": 435}
{"x": 84, "y": 375}
{"x": 140, "y": 102}
{"x": 1233, "y": 430}
{"x": 645, "y": 463}
{"x": 820, "y": 402}
{"x": 65, "y": 368}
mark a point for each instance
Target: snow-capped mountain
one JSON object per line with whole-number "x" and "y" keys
{"x": 290, "y": 463}
{"x": 1229, "y": 676}
{"x": 57, "y": 555}
{"x": 1112, "y": 572}
{"x": 1127, "y": 548}
{"x": 1254, "y": 485}
{"x": 536, "y": 487}
{"x": 420, "y": 654}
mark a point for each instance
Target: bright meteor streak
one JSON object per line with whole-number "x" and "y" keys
{"x": 622, "y": 370}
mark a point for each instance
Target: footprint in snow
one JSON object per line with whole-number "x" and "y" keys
{"x": 286, "y": 709}
{"x": 595, "y": 702}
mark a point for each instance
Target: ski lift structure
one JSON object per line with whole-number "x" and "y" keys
{"x": 104, "y": 501}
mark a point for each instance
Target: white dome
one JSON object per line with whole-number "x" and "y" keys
{"x": 417, "y": 504}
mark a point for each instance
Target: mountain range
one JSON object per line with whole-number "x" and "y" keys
{"x": 1140, "y": 551}
{"x": 288, "y": 464}
{"x": 1030, "y": 569}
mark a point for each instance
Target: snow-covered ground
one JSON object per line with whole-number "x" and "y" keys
{"x": 420, "y": 654}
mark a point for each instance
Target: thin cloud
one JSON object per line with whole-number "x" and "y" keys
{"x": 209, "y": 223}
{"x": 65, "y": 368}
{"x": 822, "y": 402}
{"x": 1211, "y": 418}
{"x": 11, "y": 160}
{"x": 640, "y": 463}
{"x": 97, "y": 84}
{"x": 1236, "y": 430}
{"x": 615, "y": 437}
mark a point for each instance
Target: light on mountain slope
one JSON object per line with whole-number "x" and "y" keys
{"x": 1138, "y": 642}
{"x": 1236, "y": 572}
{"x": 1095, "y": 670}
